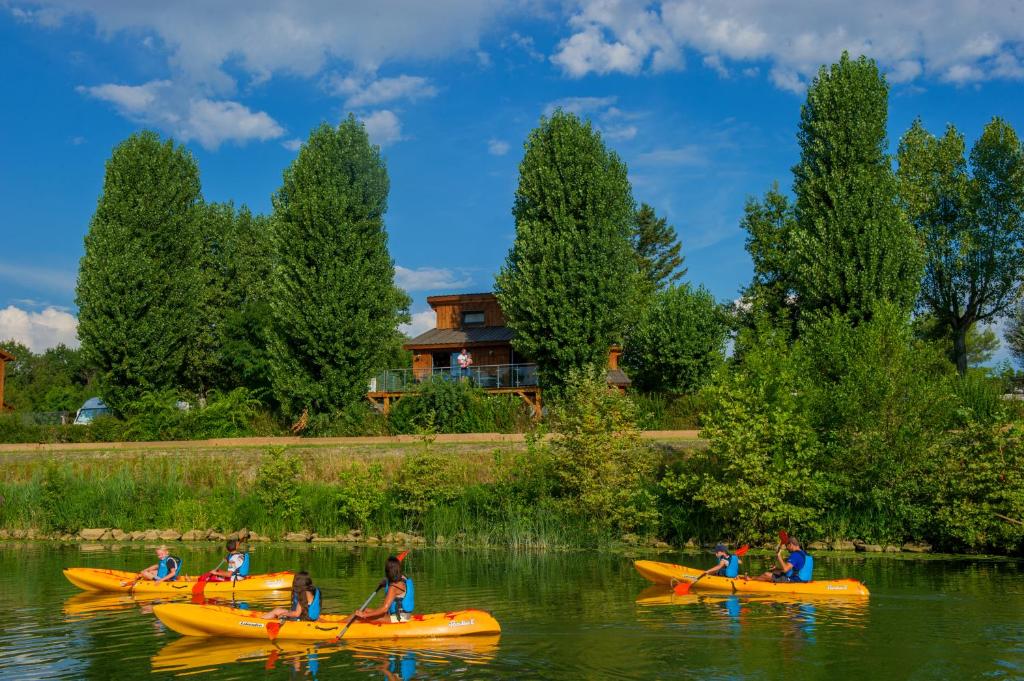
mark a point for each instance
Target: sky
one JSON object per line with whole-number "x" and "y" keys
{"x": 700, "y": 98}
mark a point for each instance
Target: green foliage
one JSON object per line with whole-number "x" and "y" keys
{"x": 853, "y": 247}
{"x": 356, "y": 419}
{"x": 159, "y": 416}
{"x": 597, "y": 458}
{"x": 334, "y": 304}
{"x": 981, "y": 343}
{"x": 446, "y": 406}
{"x": 570, "y": 283}
{"x": 139, "y": 285}
{"x": 57, "y": 379}
{"x": 361, "y": 493}
{"x": 658, "y": 411}
{"x": 425, "y": 481}
{"x": 972, "y": 224}
{"x": 277, "y": 484}
{"x": 678, "y": 343}
{"x": 980, "y": 398}
{"x": 657, "y": 248}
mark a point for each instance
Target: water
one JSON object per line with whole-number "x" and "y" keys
{"x": 567, "y": 616}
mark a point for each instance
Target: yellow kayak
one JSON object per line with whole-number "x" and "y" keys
{"x": 93, "y": 579}
{"x": 218, "y": 620}
{"x": 670, "y": 573}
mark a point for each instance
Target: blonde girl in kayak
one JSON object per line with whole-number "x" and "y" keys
{"x": 166, "y": 568}
{"x": 305, "y": 601}
{"x": 398, "y": 600}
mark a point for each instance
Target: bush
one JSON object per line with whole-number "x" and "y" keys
{"x": 360, "y": 494}
{"x": 277, "y": 483}
{"x": 981, "y": 398}
{"x": 354, "y": 420}
{"x": 447, "y": 406}
{"x": 157, "y": 416}
{"x": 601, "y": 466}
{"x": 425, "y": 481}
{"x": 659, "y": 411}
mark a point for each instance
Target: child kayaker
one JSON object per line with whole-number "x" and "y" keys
{"x": 790, "y": 568}
{"x": 237, "y": 562}
{"x": 728, "y": 564}
{"x": 399, "y": 599}
{"x": 166, "y": 568}
{"x": 305, "y": 601}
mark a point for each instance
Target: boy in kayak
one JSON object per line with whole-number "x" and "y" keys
{"x": 165, "y": 570}
{"x": 305, "y": 601}
{"x": 788, "y": 569}
{"x": 238, "y": 565}
{"x": 728, "y": 564}
{"x": 398, "y": 599}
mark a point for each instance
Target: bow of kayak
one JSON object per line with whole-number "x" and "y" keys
{"x": 94, "y": 579}
{"x": 215, "y": 620}
{"x": 670, "y": 574}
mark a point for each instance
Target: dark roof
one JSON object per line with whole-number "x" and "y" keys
{"x": 6, "y": 356}
{"x": 468, "y": 336}
{"x": 618, "y": 377}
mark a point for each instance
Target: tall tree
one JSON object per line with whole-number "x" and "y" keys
{"x": 334, "y": 303}
{"x": 972, "y": 224}
{"x": 569, "y": 285}
{"x": 853, "y": 247}
{"x": 678, "y": 343}
{"x": 657, "y": 247}
{"x": 138, "y": 282}
{"x": 770, "y": 223}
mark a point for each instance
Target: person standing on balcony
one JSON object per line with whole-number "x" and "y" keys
{"x": 464, "y": 360}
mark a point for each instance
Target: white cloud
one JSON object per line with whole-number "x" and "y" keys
{"x": 162, "y": 104}
{"x": 522, "y": 42}
{"x": 610, "y": 120}
{"x": 497, "y": 147}
{"x": 383, "y": 127}
{"x": 421, "y": 322}
{"x": 429, "y": 278}
{"x": 689, "y": 155}
{"x": 950, "y": 40}
{"x": 39, "y": 330}
{"x": 292, "y": 144}
{"x": 621, "y": 133}
{"x": 714, "y": 62}
{"x": 56, "y": 280}
{"x": 579, "y": 105}
{"x": 382, "y": 90}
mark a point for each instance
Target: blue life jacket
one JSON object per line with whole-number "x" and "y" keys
{"x": 804, "y": 575}
{"x": 311, "y": 611}
{"x": 171, "y": 565}
{"x": 733, "y": 568}
{"x": 798, "y": 576}
{"x": 407, "y": 602}
{"x": 243, "y": 569}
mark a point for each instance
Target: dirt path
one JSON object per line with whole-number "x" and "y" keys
{"x": 250, "y": 442}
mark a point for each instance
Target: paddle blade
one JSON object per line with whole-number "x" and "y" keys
{"x": 273, "y": 628}
{"x": 402, "y": 555}
{"x": 197, "y": 588}
{"x": 783, "y": 537}
{"x": 742, "y": 551}
{"x": 682, "y": 588}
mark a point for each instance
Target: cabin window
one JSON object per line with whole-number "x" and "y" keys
{"x": 472, "y": 318}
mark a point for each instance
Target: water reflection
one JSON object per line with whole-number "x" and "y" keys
{"x": 90, "y": 604}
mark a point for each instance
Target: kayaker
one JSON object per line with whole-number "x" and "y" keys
{"x": 165, "y": 570}
{"x": 726, "y": 561}
{"x": 238, "y": 564}
{"x": 399, "y": 599}
{"x": 305, "y": 601}
{"x": 790, "y": 569}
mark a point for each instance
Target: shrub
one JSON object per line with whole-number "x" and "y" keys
{"x": 359, "y": 494}
{"x": 277, "y": 483}
{"x": 447, "y": 406}
{"x": 356, "y": 419}
{"x": 425, "y": 481}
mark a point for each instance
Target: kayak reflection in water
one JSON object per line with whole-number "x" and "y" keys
{"x": 399, "y": 600}
{"x": 305, "y": 601}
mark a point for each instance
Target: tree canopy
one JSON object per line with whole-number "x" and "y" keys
{"x": 658, "y": 249}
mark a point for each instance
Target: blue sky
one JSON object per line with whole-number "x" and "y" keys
{"x": 700, "y": 99}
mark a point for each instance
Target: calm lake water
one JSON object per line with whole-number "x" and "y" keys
{"x": 564, "y": 615}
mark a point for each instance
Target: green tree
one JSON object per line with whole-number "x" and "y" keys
{"x": 138, "y": 282}
{"x": 570, "y": 283}
{"x": 982, "y": 342}
{"x": 852, "y": 245}
{"x": 657, "y": 247}
{"x": 972, "y": 224}
{"x": 679, "y": 342}
{"x": 334, "y": 303}
{"x": 55, "y": 380}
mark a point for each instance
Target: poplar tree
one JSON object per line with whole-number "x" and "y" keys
{"x": 569, "y": 285}
{"x": 138, "y": 282}
{"x": 334, "y": 304}
{"x": 972, "y": 225}
{"x": 658, "y": 249}
{"x": 853, "y": 247}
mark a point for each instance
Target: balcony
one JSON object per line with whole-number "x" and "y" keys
{"x": 493, "y": 377}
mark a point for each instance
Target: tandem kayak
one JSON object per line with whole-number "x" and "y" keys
{"x": 92, "y": 579}
{"x": 670, "y": 574}
{"x": 218, "y": 620}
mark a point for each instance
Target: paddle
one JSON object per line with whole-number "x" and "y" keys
{"x": 352, "y": 619}
{"x": 197, "y": 588}
{"x": 683, "y": 588}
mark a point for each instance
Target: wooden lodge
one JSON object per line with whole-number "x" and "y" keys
{"x": 5, "y": 357}
{"x": 476, "y": 323}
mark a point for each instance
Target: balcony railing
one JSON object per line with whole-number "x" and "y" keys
{"x": 492, "y": 376}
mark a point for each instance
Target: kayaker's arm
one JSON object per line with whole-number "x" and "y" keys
{"x": 389, "y": 598}
{"x": 722, "y": 564}
{"x": 784, "y": 565}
